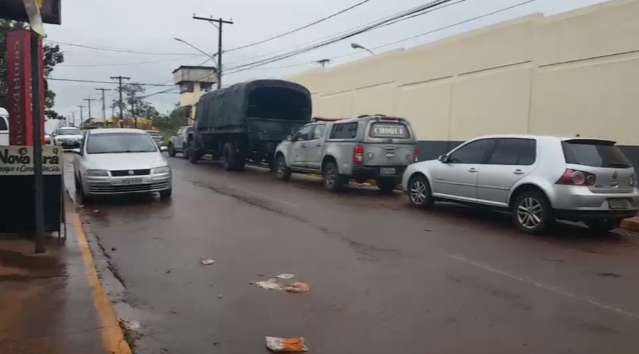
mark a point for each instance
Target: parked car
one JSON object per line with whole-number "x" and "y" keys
{"x": 370, "y": 147}
{"x": 179, "y": 143}
{"x": 4, "y": 130}
{"x": 158, "y": 139}
{"x": 67, "y": 137}
{"x": 120, "y": 161}
{"x": 538, "y": 178}
{"x": 47, "y": 138}
{"x": 245, "y": 122}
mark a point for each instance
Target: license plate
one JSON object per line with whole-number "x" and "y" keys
{"x": 128, "y": 181}
{"x": 387, "y": 171}
{"x": 618, "y": 203}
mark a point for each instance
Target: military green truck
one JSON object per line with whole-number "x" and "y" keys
{"x": 245, "y": 122}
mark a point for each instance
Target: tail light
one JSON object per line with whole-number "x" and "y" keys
{"x": 416, "y": 154}
{"x": 577, "y": 178}
{"x": 358, "y": 155}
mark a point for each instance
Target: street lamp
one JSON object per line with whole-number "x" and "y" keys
{"x": 359, "y": 46}
{"x": 212, "y": 56}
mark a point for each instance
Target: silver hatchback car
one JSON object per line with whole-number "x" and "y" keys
{"x": 538, "y": 178}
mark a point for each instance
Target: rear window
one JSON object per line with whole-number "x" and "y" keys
{"x": 3, "y": 124}
{"x": 595, "y": 153}
{"x": 389, "y": 130}
{"x": 344, "y": 131}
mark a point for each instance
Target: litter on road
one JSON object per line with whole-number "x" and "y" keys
{"x": 285, "y": 276}
{"x": 278, "y": 344}
{"x": 298, "y": 287}
{"x": 271, "y": 284}
{"x": 207, "y": 261}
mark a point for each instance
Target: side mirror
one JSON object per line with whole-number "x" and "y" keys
{"x": 76, "y": 151}
{"x": 295, "y": 137}
{"x": 443, "y": 158}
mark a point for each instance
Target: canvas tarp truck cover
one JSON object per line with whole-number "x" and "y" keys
{"x": 230, "y": 107}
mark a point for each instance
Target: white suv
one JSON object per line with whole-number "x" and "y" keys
{"x": 538, "y": 178}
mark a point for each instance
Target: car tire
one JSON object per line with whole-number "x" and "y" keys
{"x": 171, "y": 150}
{"x": 532, "y": 212}
{"x": 282, "y": 172}
{"x": 419, "y": 192}
{"x": 79, "y": 190}
{"x": 194, "y": 155}
{"x": 602, "y": 226}
{"x": 166, "y": 194}
{"x": 333, "y": 181}
{"x": 386, "y": 185}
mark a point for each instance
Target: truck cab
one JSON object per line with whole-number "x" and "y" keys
{"x": 368, "y": 147}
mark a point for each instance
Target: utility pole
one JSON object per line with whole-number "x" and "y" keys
{"x": 120, "y": 78}
{"x": 89, "y": 104}
{"x": 72, "y": 119}
{"x": 135, "y": 118}
{"x": 103, "y": 102}
{"x": 81, "y": 115}
{"x": 220, "y": 22}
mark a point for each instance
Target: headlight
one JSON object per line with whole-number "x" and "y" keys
{"x": 98, "y": 173}
{"x": 161, "y": 170}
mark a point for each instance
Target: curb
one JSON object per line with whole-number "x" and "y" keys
{"x": 113, "y": 338}
{"x": 631, "y": 224}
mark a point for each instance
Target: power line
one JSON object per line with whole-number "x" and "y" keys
{"x": 103, "y": 82}
{"x": 119, "y": 64}
{"x": 335, "y": 14}
{"x": 468, "y": 20}
{"x": 115, "y": 50}
{"x": 423, "y": 9}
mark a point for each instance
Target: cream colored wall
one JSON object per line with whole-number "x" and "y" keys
{"x": 574, "y": 73}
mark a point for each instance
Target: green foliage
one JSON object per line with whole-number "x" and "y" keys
{"x": 168, "y": 125}
{"x": 134, "y": 104}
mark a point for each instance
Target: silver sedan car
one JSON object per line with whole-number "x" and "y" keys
{"x": 538, "y": 178}
{"x": 120, "y": 161}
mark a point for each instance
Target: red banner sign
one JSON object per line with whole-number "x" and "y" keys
{"x": 20, "y": 92}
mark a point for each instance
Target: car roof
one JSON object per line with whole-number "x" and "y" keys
{"x": 117, "y": 130}
{"x": 538, "y": 137}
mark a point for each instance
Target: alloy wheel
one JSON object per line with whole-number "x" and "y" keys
{"x": 530, "y": 213}
{"x": 418, "y": 192}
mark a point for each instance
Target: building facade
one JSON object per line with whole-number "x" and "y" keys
{"x": 575, "y": 73}
{"x": 193, "y": 82}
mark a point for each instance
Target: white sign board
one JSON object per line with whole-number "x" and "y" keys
{"x": 17, "y": 160}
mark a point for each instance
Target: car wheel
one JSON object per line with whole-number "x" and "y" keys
{"x": 194, "y": 155}
{"x": 171, "y": 150}
{"x": 166, "y": 194}
{"x": 282, "y": 172}
{"x": 532, "y": 212}
{"x": 333, "y": 181}
{"x": 84, "y": 198}
{"x": 603, "y": 226}
{"x": 386, "y": 185}
{"x": 419, "y": 193}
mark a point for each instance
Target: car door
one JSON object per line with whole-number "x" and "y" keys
{"x": 314, "y": 147}
{"x": 510, "y": 161}
{"x": 300, "y": 144}
{"x": 456, "y": 176}
{"x": 179, "y": 138}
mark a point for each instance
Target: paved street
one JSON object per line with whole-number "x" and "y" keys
{"x": 384, "y": 277}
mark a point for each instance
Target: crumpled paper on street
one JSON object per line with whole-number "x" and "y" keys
{"x": 278, "y": 344}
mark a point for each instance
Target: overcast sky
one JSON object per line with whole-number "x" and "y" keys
{"x": 151, "y": 25}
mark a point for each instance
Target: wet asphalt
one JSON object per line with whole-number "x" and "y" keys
{"x": 384, "y": 277}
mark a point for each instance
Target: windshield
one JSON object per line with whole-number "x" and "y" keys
{"x": 594, "y": 153}
{"x": 113, "y": 143}
{"x": 71, "y": 131}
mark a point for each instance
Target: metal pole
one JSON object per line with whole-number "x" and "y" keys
{"x": 103, "y": 103}
{"x": 37, "y": 144}
{"x": 81, "y": 115}
{"x": 120, "y": 103}
{"x": 89, "y": 100}
{"x": 219, "y": 55}
{"x": 135, "y": 118}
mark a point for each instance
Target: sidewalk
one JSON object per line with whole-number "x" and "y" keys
{"x": 54, "y": 303}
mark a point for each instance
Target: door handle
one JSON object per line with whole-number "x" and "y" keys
{"x": 473, "y": 170}
{"x": 518, "y": 172}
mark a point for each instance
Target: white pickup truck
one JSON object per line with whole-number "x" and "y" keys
{"x": 4, "y": 130}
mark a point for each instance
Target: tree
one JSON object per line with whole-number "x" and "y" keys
{"x": 134, "y": 104}
{"x": 53, "y": 55}
{"x": 169, "y": 125}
